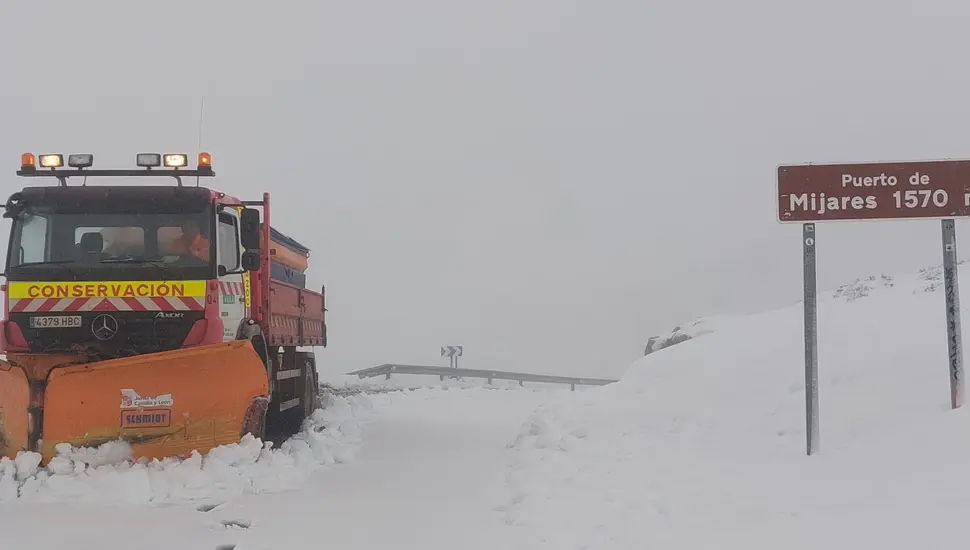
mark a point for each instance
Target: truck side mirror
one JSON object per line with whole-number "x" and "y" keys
{"x": 251, "y": 260}
{"x": 249, "y": 230}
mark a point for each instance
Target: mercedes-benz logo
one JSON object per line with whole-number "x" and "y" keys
{"x": 104, "y": 327}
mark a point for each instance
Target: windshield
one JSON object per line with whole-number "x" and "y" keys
{"x": 103, "y": 240}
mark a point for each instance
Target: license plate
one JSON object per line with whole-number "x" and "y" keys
{"x": 55, "y": 321}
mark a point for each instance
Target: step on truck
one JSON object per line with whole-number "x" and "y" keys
{"x": 173, "y": 317}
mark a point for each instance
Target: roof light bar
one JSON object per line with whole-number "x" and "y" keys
{"x": 82, "y": 163}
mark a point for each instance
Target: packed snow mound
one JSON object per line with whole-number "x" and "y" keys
{"x": 926, "y": 280}
{"x": 703, "y": 445}
{"x": 680, "y": 334}
{"x": 106, "y": 475}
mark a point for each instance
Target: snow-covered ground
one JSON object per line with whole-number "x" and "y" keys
{"x": 701, "y": 445}
{"x": 104, "y": 475}
{"x": 430, "y": 475}
{"x": 415, "y": 469}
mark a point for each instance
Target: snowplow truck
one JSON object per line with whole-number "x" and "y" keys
{"x": 173, "y": 317}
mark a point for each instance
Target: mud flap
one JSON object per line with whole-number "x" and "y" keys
{"x": 14, "y": 403}
{"x": 163, "y": 404}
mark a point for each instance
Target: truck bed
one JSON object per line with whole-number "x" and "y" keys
{"x": 295, "y": 316}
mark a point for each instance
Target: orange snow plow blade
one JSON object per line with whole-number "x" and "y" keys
{"x": 163, "y": 404}
{"x": 14, "y": 400}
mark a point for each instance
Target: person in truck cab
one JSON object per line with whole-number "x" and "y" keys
{"x": 192, "y": 241}
{"x": 123, "y": 241}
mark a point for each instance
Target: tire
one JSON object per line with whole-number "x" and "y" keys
{"x": 255, "y": 420}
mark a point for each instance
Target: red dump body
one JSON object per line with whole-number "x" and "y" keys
{"x": 296, "y": 316}
{"x": 288, "y": 313}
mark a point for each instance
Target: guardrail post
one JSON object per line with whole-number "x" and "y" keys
{"x": 572, "y": 387}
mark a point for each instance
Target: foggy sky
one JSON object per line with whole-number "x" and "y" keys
{"x": 547, "y": 183}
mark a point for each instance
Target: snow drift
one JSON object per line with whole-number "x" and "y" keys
{"x": 851, "y": 291}
{"x": 680, "y": 334}
{"x": 702, "y": 444}
{"x": 105, "y": 474}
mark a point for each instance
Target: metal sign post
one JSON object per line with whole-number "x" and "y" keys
{"x": 453, "y": 353}
{"x": 922, "y": 190}
{"x": 811, "y": 338}
{"x": 954, "y": 335}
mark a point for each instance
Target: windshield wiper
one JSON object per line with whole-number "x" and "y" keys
{"x": 59, "y": 263}
{"x": 156, "y": 263}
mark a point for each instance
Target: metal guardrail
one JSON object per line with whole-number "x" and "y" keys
{"x": 490, "y": 375}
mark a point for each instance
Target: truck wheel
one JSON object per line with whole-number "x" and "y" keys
{"x": 255, "y": 420}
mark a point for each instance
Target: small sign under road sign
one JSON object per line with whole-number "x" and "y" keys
{"x": 451, "y": 351}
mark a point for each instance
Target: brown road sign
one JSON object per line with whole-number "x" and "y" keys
{"x": 873, "y": 191}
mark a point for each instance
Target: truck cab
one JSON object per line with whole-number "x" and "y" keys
{"x": 80, "y": 254}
